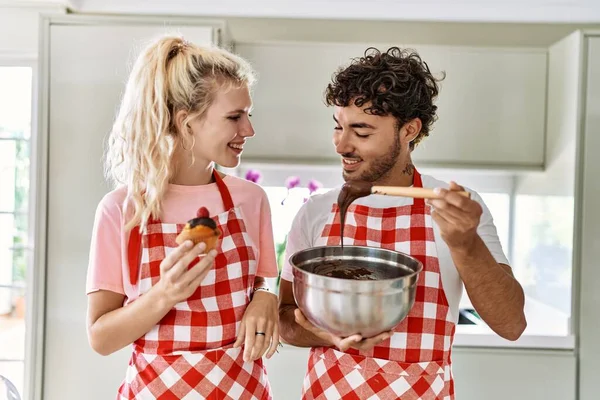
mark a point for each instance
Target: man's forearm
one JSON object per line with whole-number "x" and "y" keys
{"x": 496, "y": 295}
{"x": 294, "y": 334}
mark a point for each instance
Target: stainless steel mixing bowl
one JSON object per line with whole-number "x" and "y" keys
{"x": 344, "y": 306}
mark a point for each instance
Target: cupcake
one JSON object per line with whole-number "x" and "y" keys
{"x": 200, "y": 229}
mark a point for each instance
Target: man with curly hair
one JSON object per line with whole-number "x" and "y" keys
{"x": 383, "y": 108}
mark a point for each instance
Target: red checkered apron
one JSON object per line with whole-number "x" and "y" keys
{"x": 415, "y": 362}
{"x": 189, "y": 353}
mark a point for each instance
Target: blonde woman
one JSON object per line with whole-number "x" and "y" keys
{"x": 199, "y": 323}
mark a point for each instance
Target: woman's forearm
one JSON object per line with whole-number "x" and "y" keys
{"x": 122, "y": 326}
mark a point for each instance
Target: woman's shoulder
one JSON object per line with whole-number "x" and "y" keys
{"x": 244, "y": 186}
{"x": 113, "y": 202}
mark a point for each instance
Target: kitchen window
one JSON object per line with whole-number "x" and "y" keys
{"x": 15, "y": 245}
{"x": 536, "y": 235}
{"x": 542, "y": 257}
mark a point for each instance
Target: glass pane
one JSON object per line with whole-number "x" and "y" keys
{"x": 8, "y": 163}
{"x": 15, "y": 373}
{"x": 284, "y": 207}
{"x": 12, "y": 324}
{"x": 6, "y": 261}
{"x": 543, "y": 249}
{"x": 15, "y": 123}
{"x": 22, "y": 176}
{"x": 21, "y": 258}
{"x": 20, "y": 232}
{"x": 281, "y": 217}
{"x": 15, "y": 101}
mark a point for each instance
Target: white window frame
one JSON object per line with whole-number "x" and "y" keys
{"x": 35, "y": 282}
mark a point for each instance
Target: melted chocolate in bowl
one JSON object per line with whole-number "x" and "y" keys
{"x": 360, "y": 270}
{"x": 340, "y": 269}
{"x": 358, "y": 274}
{"x": 351, "y": 191}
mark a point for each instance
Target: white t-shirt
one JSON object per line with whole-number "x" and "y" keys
{"x": 310, "y": 221}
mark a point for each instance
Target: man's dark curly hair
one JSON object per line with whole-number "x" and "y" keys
{"x": 396, "y": 82}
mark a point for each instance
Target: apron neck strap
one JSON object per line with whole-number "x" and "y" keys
{"x": 134, "y": 250}
{"x": 225, "y": 195}
{"x": 418, "y": 183}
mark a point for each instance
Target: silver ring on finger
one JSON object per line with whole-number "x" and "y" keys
{"x": 260, "y": 333}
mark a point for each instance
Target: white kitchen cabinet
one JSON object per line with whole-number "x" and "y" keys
{"x": 588, "y": 221}
{"x": 85, "y": 66}
{"x": 492, "y": 104}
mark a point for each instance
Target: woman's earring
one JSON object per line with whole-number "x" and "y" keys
{"x": 183, "y": 145}
{"x": 188, "y": 131}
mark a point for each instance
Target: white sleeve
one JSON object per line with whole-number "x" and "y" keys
{"x": 487, "y": 232}
{"x": 297, "y": 239}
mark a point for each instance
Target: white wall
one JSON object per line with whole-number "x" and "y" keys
{"x": 426, "y": 10}
{"x": 19, "y": 33}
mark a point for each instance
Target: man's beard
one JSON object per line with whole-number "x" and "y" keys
{"x": 380, "y": 167}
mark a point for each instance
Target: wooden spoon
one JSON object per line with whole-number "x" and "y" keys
{"x": 423, "y": 193}
{"x": 356, "y": 189}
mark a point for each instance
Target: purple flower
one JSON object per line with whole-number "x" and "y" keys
{"x": 253, "y": 176}
{"x": 292, "y": 182}
{"x": 314, "y": 185}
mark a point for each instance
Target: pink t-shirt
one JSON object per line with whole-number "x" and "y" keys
{"x": 108, "y": 269}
